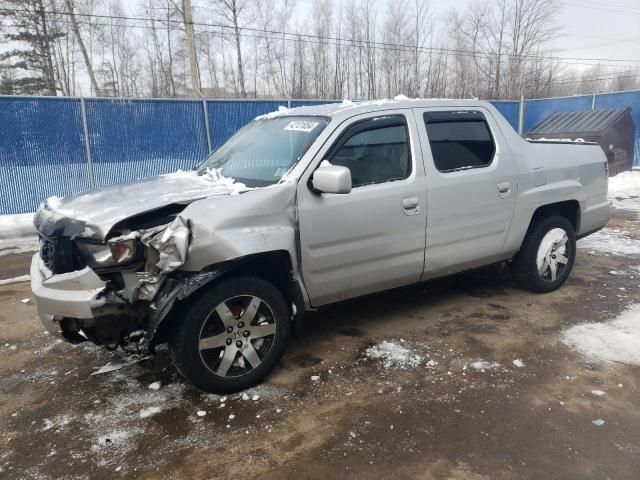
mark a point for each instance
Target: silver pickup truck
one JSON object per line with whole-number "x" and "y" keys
{"x": 302, "y": 208}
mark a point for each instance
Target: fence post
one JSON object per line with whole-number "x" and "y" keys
{"x": 87, "y": 147}
{"x": 593, "y": 102}
{"x": 206, "y": 123}
{"x": 289, "y": 103}
{"x": 521, "y": 115}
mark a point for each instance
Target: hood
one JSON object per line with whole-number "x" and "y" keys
{"x": 93, "y": 214}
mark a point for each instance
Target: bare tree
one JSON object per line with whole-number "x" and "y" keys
{"x": 231, "y": 11}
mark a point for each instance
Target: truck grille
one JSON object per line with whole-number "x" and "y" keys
{"x": 59, "y": 255}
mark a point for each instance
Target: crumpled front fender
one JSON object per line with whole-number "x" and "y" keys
{"x": 175, "y": 289}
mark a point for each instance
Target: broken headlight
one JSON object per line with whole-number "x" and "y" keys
{"x": 115, "y": 252}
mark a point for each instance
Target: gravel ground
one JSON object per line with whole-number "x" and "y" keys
{"x": 463, "y": 378}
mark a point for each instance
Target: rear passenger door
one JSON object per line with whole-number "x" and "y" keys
{"x": 471, "y": 188}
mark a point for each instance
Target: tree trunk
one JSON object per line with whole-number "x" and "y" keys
{"x": 191, "y": 48}
{"x": 85, "y": 55}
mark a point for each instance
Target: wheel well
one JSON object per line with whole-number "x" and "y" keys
{"x": 569, "y": 209}
{"x": 274, "y": 267}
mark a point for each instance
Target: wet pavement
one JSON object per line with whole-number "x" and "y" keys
{"x": 463, "y": 378}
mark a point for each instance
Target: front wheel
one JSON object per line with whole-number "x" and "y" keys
{"x": 547, "y": 254}
{"x": 232, "y": 336}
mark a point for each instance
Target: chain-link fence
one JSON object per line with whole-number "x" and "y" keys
{"x": 61, "y": 146}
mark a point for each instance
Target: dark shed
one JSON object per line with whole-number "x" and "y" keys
{"x": 613, "y": 129}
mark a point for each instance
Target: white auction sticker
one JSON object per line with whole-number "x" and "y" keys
{"x": 301, "y": 126}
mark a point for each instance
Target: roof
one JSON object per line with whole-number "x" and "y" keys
{"x": 348, "y": 108}
{"x": 582, "y": 122}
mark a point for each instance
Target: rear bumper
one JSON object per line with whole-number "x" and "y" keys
{"x": 594, "y": 218}
{"x": 71, "y": 295}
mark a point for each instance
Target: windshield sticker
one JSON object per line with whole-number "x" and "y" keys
{"x": 301, "y": 126}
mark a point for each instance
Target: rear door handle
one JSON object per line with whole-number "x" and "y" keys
{"x": 504, "y": 189}
{"x": 410, "y": 205}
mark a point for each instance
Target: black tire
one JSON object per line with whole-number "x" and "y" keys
{"x": 524, "y": 267}
{"x": 199, "y": 366}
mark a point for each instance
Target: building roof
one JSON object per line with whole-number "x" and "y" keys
{"x": 582, "y": 122}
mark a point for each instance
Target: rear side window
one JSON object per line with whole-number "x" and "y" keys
{"x": 459, "y": 140}
{"x": 375, "y": 151}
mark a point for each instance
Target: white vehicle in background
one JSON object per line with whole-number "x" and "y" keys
{"x": 304, "y": 208}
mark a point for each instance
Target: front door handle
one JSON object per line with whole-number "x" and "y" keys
{"x": 504, "y": 189}
{"x": 410, "y": 205}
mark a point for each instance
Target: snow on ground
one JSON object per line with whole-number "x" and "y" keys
{"x": 13, "y": 226}
{"x": 611, "y": 240}
{"x": 8, "y": 281}
{"x": 617, "y": 340}
{"x": 624, "y": 191}
{"x": 392, "y": 354}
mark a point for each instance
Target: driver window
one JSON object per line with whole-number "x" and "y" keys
{"x": 375, "y": 151}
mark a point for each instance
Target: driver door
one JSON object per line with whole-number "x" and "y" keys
{"x": 372, "y": 238}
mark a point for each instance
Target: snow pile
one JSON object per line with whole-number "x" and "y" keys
{"x": 282, "y": 110}
{"x": 20, "y": 225}
{"x": 212, "y": 182}
{"x": 614, "y": 241}
{"x": 617, "y": 340}
{"x": 393, "y": 355}
{"x": 624, "y": 191}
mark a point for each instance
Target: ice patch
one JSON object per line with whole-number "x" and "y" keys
{"x": 616, "y": 341}
{"x": 393, "y": 355}
{"x": 518, "y": 363}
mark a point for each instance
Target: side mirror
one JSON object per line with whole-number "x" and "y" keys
{"x": 332, "y": 179}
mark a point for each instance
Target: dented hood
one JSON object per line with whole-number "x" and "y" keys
{"x": 93, "y": 214}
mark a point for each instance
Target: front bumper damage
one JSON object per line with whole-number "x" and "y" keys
{"x": 84, "y": 304}
{"x": 71, "y": 295}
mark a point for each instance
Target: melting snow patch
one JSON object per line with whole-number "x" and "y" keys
{"x": 201, "y": 413}
{"x": 149, "y": 411}
{"x": 315, "y": 378}
{"x": 598, "y": 393}
{"x": 8, "y": 281}
{"x": 617, "y": 340}
{"x": 615, "y": 241}
{"x": 484, "y": 365}
{"x": 155, "y": 386}
{"x": 518, "y": 363}
{"x": 598, "y": 423}
{"x": 393, "y": 355}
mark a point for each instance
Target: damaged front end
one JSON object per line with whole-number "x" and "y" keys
{"x": 102, "y": 291}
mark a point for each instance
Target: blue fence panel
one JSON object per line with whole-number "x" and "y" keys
{"x": 622, "y": 100}
{"x": 510, "y": 111}
{"x": 41, "y": 151}
{"x": 537, "y": 110}
{"x": 133, "y": 139}
{"x": 226, "y": 117}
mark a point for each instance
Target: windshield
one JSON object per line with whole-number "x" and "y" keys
{"x": 260, "y": 153}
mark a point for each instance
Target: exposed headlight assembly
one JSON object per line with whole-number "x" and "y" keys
{"x": 115, "y": 252}
{"x": 123, "y": 251}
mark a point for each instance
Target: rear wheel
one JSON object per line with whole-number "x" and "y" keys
{"x": 233, "y": 335}
{"x": 546, "y": 258}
